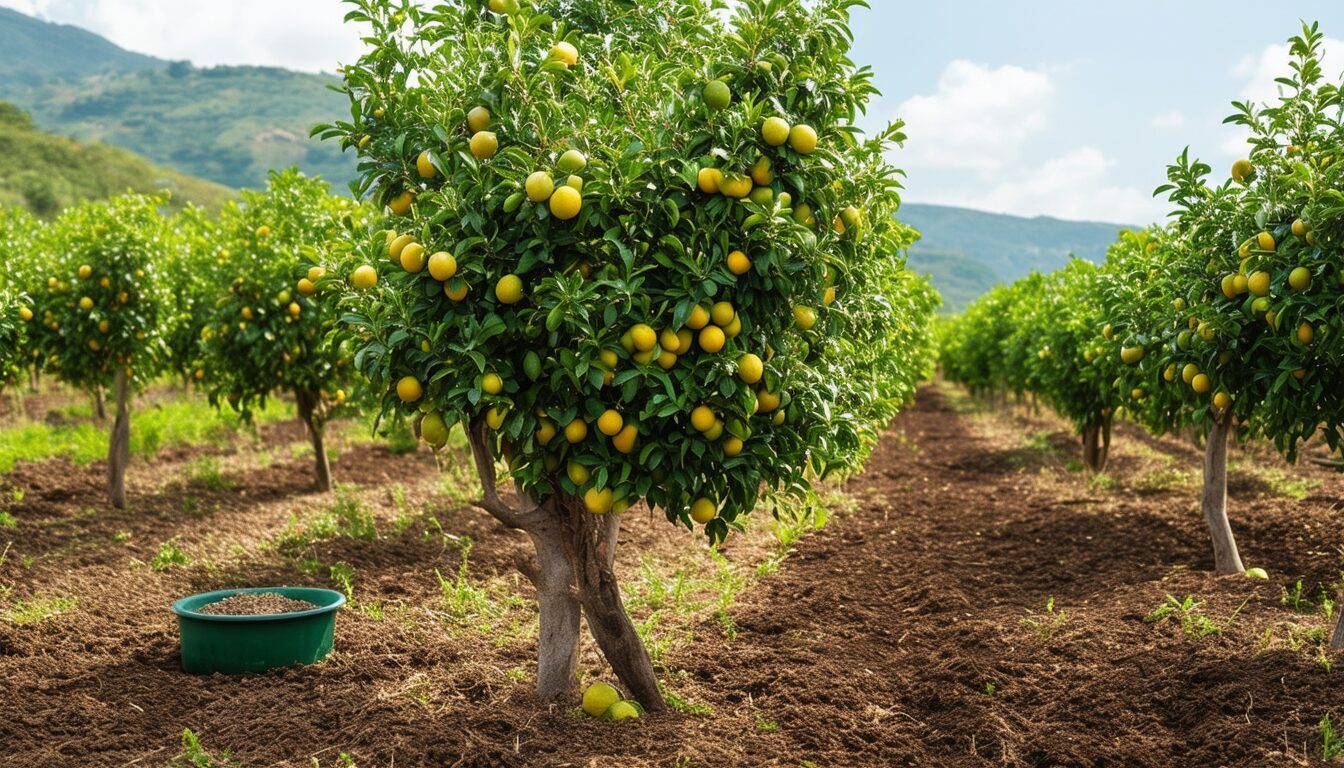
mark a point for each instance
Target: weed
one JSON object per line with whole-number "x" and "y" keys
{"x": 1193, "y": 622}
{"x": 1332, "y": 744}
{"x": 462, "y": 601}
{"x": 1101, "y": 482}
{"x": 205, "y": 472}
{"x": 1299, "y": 600}
{"x": 343, "y": 574}
{"x": 121, "y": 537}
{"x": 1164, "y": 480}
{"x": 7, "y": 520}
{"x": 990, "y": 689}
{"x": 26, "y": 612}
{"x": 681, "y": 705}
{"x": 347, "y": 517}
{"x": 169, "y": 555}
{"x": 516, "y": 674}
{"x": 193, "y": 755}
{"x": 1046, "y": 624}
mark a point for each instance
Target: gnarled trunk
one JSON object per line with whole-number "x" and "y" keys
{"x": 308, "y": 407}
{"x": 1097, "y": 445}
{"x": 119, "y": 445}
{"x": 576, "y": 555}
{"x": 1213, "y": 500}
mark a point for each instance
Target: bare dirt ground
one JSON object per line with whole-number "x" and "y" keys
{"x": 912, "y": 631}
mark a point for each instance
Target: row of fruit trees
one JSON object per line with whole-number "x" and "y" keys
{"x": 639, "y": 252}
{"x": 1225, "y": 320}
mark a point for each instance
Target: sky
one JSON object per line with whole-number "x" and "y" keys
{"x": 1064, "y": 109}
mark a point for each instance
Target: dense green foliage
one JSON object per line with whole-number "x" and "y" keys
{"x": 607, "y": 312}
{"x": 46, "y": 173}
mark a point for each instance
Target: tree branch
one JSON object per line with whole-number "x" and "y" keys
{"x": 519, "y": 519}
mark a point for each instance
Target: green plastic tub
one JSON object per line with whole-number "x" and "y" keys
{"x": 238, "y": 644}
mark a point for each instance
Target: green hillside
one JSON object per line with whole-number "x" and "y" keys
{"x": 45, "y": 173}
{"x": 966, "y": 252}
{"x": 229, "y": 125}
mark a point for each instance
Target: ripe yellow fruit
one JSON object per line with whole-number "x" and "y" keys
{"x": 94, "y": 345}
{"x": 1299, "y": 228}
{"x": 735, "y": 186}
{"x": 610, "y": 423}
{"x": 401, "y": 204}
{"x": 545, "y": 432}
{"x": 598, "y": 698}
{"x": 1132, "y": 355}
{"x": 761, "y": 172}
{"x": 667, "y": 359}
{"x": 1240, "y": 284}
{"x": 803, "y": 139}
{"x": 775, "y": 131}
{"x": 750, "y": 369}
{"x": 709, "y": 179}
{"x": 294, "y": 309}
{"x": 702, "y": 418}
{"x": 316, "y": 273}
{"x": 1222, "y": 400}
{"x": 104, "y": 326}
{"x": 364, "y": 277}
{"x": 566, "y": 202}
{"x": 478, "y": 119}
{"x": 1242, "y": 170}
{"x": 722, "y": 313}
{"x": 409, "y": 389}
{"x": 625, "y": 441}
{"x": 577, "y": 473}
{"x": 804, "y": 318}
{"x": 85, "y": 272}
{"x": 668, "y": 340}
{"x": 1300, "y": 278}
{"x": 434, "y": 429}
{"x": 698, "y": 318}
{"x": 704, "y": 510}
{"x": 738, "y": 263}
{"x": 1201, "y": 383}
{"x": 539, "y": 187}
{"x": 1189, "y": 372}
{"x": 732, "y": 446}
{"x": 572, "y": 161}
{"x": 442, "y": 266}
{"x": 622, "y": 710}
{"x": 1169, "y": 373}
{"x": 598, "y": 502}
{"x": 717, "y": 95}
{"x": 25, "y": 314}
{"x": 1258, "y": 283}
{"x": 685, "y": 340}
{"x": 484, "y": 145}
{"x": 712, "y": 339}
{"x": 86, "y": 303}
{"x": 1136, "y": 393}
{"x": 643, "y": 337}
{"x": 733, "y": 329}
{"x": 492, "y": 384}
{"x": 456, "y": 290}
{"x": 494, "y": 417}
{"x": 509, "y": 289}
{"x": 413, "y": 258}
{"x": 565, "y": 53}
{"x": 828, "y": 298}
{"x": 424, "y": 167}
{"x": 397, "y": 244}
{"x": 1305, "y": 333}
{"x": 1265, "y": 241}
{"x": 1228, "y": 285}
{"x": 576, "y": 431}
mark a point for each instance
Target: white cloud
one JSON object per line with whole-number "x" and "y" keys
{"x": 978, "y": 119}
{"x": 1075, "y": 185}
{"x": 1167, "y": 120}
{"x": 308, "y": 35}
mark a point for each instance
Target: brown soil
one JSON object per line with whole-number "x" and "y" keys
{"x": 255, "y": 604}
{"x": 911, "y": 632}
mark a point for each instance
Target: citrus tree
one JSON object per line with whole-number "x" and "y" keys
{"x": 195, "y": 268}
{"x": 640, "y": 252}
{"x": 15, "y": 317}
{"x": 265, "y": 330}
{"x": 104, "y": 307}
{"x": 1236, "y": 305}
{"x": 19, "y": 234}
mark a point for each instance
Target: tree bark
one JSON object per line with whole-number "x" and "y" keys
{"x": 576, "y": 555}
{"x": 99, "y": 407}
{"x": 308, "y": 406}
{"x": 591, "y": 545}
{"x": 119, "y": 446}
{"x": 1213, "y": 500}
{"x": 1337, "y": 637}
{"x": 1097, "y": 445}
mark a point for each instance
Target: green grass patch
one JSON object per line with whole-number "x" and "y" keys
{"x": 184, "y": 421}
{"x": 26, "y": 612}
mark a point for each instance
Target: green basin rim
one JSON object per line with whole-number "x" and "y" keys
{"x": 328, "y": 601}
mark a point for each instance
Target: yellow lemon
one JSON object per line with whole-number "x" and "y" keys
{"x": 698, "y": 318}
{"x": 803, "y": 139}
{"x": 708, "y": 180}
{"x": 775, "y": 131}
{"x": 484, "y": 145}
{"x": 566, "y": 202}
{"x": 610, "y": 423}
{"x": 576, "y": 431}
{"x": 364, "y": 277}
{"x": 409, "y": 389}
{"x": 750, "y": 369}
{"x": 712, "y": 339}
{"x": 509, "y": 289}
{"x": 539, "y": 187}
{"x": 442, "y": 266}
{"x": 478, "y": 119}
{"x": 625, "y": 441}
{"x": 702, "y": 418}
{"x": 738, "y": 263}
{"x": 425, "y": 167}
{"x": 704, "y": 510}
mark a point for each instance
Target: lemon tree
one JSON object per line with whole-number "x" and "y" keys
{"x": 641, "y": 253}
{"x": 15, "y": 317}
{"x": 265, "y": 329}
{"x": 19, "y": 233}
{"x": 195, "y": 268}
{"x": 104, "y": 307}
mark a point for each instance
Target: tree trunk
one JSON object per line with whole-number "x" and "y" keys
{"x": 1213, "y": 501}
{"x": 307, "y": 404}
{"x": 576, "y": 554}
{"x": 99, "y": 407}
{"x": 119, "y": 448}
{"x": 1097, "y": 445}
{"x": 1337, "y": 637}
{"x": 557, "y": 601}
{"x": 591, "y": 545}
